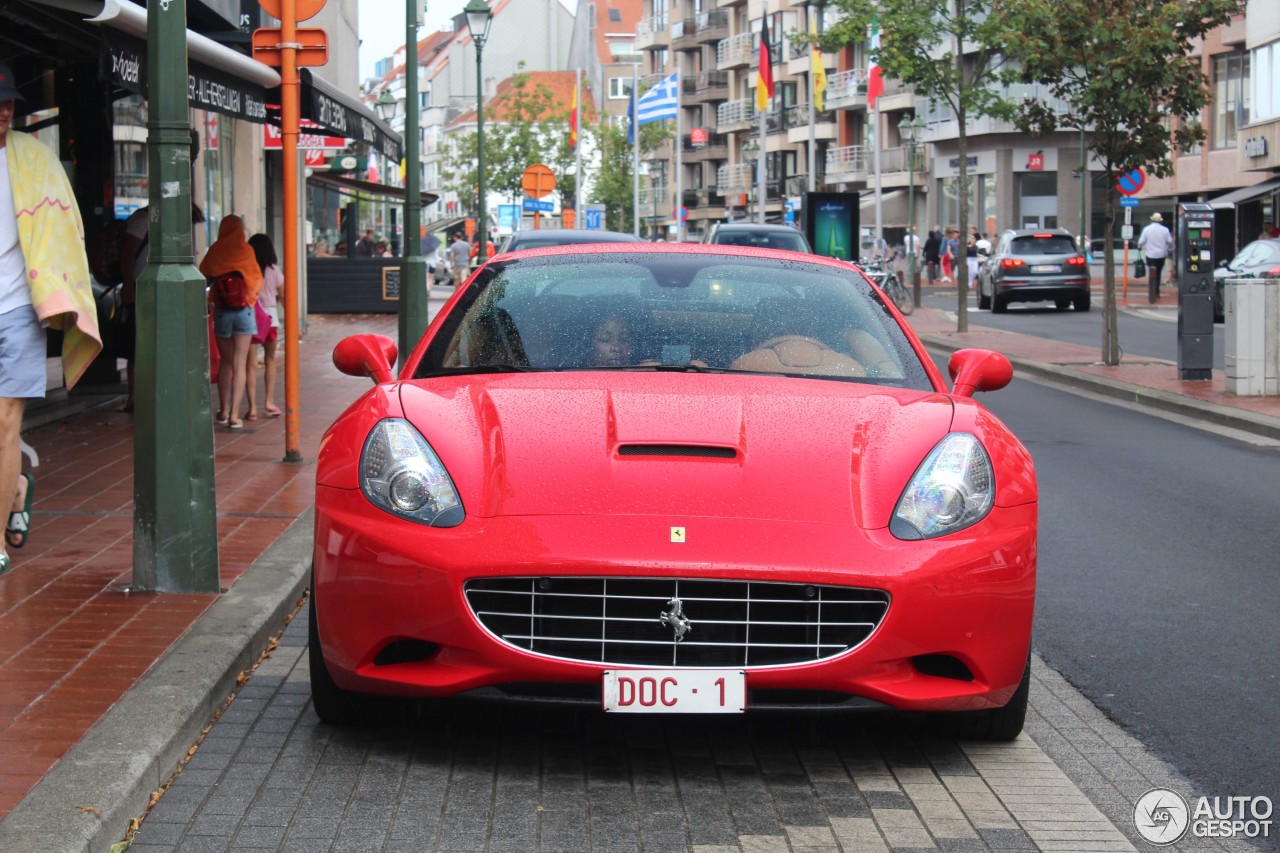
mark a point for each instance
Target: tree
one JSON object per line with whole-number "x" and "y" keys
{"x": 1125, "y": 71}
{"x": 921, "y": 47}
{"x": 614, "y": 182}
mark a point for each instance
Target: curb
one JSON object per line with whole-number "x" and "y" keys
{"x": 84, "y": 804}
{"x": 1128, "y": 392}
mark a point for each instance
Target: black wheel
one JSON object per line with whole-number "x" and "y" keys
{"x": 984, "y": 301}
{"x": 333, "y": 704}
{"x": 1082, "y": 301}
{"x": 999, "y": 305}
{"x": 999, "y": 724}
{"x": 899, "y": 294}
{"x": 1062, "y": 304}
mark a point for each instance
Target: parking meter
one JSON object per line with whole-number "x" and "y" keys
{"x": 1195, "y": 291}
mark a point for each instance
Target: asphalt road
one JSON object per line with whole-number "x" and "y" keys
{"x": 1157, "y": 591}
{"x": 1149, "y": 333}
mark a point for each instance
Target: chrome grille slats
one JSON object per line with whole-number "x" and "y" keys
{"x": 615, "y": 620}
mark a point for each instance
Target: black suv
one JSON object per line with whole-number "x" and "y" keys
{"x": 1034, "y": 266}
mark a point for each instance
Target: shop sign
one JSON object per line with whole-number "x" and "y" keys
{"x": 1255, "y": 147}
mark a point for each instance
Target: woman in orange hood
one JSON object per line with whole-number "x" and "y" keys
{"x": 236, "y": 279}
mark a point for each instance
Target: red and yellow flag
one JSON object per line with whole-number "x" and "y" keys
{"x": 573, "y": 118}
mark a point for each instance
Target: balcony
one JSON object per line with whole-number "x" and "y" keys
{"x": 735, "y": 52}
{"x": 684, "y": 34}
{"x": 797, "y": 118}
{"x": 735, "y": 115}
{"x": 847, "y": 165}
{"x": 846, "y": 90}
{"x": 738, "y": 178}
{"x": 706, "y": 86}
{"x": 941, "y": 121}
{"x": 894, "y": 171}
{"x": 712, "y": 26}
{"x": 652, "y": 196}
{"x": 729, "y": 4}
{"x": 652, "y": 33}
{"x": 715, "y": 148}
{"x": 702, "y": 197}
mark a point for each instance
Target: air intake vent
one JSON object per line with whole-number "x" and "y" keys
{"x": 676, "y": 450}
{"x": 729, "y": 623}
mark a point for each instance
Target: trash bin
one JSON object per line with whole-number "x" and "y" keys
{"x": 1251, "y": 354}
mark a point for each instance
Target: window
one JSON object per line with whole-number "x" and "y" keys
{"x": 619, "y": 88}
{"x": 1230, "y": 97}
{"x": 615, "y": 16}
{"x": 1266, "y": 88}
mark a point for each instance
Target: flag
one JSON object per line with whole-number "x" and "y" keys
{"x": 875, "y": 77}
{"x": 573, "y": 118}
{"x": 631, "y": 119}
{"x": 658, "y": 103}
{"x": 764, "y": 82}
{"x": 817, "y": 73}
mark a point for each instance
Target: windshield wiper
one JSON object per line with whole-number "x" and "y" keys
{"x": 667, "y": 368}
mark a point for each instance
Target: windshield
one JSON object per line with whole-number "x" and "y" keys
{"x": 792, "y": 241}
{"x": 690, "y": 312}
{"x": 1043, "y": 246}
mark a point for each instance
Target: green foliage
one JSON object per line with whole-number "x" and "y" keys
{"x": 1124, "y": 69}
{"x": 614, "y": 182}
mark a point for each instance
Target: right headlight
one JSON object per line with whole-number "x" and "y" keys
{"x": 400, "y": 473}
{"x": 952, "y": 489}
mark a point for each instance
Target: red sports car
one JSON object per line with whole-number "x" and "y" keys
{"x": 674, "y": 479}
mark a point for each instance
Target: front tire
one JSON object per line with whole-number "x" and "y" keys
{"x": 998, "y": 724}
{"x": 333, "y": 704}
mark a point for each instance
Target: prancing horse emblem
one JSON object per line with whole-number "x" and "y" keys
{"x": 675, "y": 619}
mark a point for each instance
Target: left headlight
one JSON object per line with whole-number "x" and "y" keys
{"x": 952, "y": 489}
{"x": 400, "y": 473}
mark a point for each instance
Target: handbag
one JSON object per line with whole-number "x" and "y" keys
{"x": 1140, "y": 268}
{"x": 264, "y": 323}
{"x": 229, "y": 291}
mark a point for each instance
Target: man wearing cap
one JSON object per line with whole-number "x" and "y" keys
{"x": 1156, "y": 244}
{"x": 44, "y": 282}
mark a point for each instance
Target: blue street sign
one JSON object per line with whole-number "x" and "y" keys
{"x": 594, "y": 219}
{"x": 1128, "y": 201}
{"x": 791, "y": 212}
{"x": 533, "y": 204}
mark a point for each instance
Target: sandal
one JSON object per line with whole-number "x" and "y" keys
{"x": 5, "y": 563}
{"x": 221, "y": 419}
{"x": 235, "y": 425}
{"x": 251, "y": 415}
{"x": 18, "y": 527}
{"x": 273, "y": 412}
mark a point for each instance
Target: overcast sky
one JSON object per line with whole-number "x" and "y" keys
{"x": 381, "y": 31}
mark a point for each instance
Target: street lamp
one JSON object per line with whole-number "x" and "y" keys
{"x": 479, "y": 17}
{"x": 751, "y": 154}
{"x": 386, "y": 106}
{"x": 910, "y": 130}
{"x": 413, "y": 269}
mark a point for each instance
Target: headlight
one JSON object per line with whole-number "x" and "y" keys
{"x": 953, "y": 488}
{"x": 399, "y": 472}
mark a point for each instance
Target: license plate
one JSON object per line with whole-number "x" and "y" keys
{"x": 675, "y": 691}
{"x": 1046, "y": 268}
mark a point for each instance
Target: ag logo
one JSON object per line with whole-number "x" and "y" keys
{"x": 1161, "y": 816}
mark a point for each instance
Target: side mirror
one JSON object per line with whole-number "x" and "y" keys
{"x": 975, "y": 370}
{"x": 366, "y": 355}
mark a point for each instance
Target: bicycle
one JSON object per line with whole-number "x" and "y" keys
{"x": 888, "y": 281}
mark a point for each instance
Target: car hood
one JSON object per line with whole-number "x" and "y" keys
{"x": 754, "y": 447}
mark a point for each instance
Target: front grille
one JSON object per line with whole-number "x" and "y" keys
{"x": 732, "y": 623}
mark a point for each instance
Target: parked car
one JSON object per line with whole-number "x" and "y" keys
{"x": 539, "y": 238}
{"x": 758, "y": 235}
{"x": 1034, "y": 266}
{"x": 674, "y": 478}
{"x": 1258, "y": 258}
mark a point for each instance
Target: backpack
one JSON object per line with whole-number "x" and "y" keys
{"x": 104, "y": 254}
{"x": 229, "y": 291}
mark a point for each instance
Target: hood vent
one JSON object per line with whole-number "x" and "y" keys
{"x": 683, "y": 450}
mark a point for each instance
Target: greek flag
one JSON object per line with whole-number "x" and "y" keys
{"x": 658, "y": 103}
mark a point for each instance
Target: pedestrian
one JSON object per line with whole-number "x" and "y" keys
{"x": 950, "y": 253}
{"x": 1156, "y": 244}
{"x": 268, "y": 300}
{"x": 933, "y": 253}
{"x": 365, "y": 245}
{"x": 44, "y": 282}
{"x": 236, "y": 280}
{"x": 971, "y": 259}
{"x": 459, "y": 258}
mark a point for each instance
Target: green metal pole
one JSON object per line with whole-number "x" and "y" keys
{"x": 413, "y": 272}
{"x": 482, "y": 227}
{"x": 911, "y": 219}
{"x": 175, "y": 534}
{"x": 1084, "y": 178}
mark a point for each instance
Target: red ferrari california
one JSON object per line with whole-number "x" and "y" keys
{"x": 674, "y": 479}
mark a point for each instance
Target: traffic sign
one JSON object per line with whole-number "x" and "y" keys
{"x": 1128, "y": 201}
{"x": 593, "y": 217}
{"x": 680, "y": 213}
{"x": 533, "y": 205}
{"x": 537, "y": 181}
{"x": 1132, "y": 182}
{"x": 302, "y": 9}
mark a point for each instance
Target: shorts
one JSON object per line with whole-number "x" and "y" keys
{"x": 22, "y": 354}
{"x": 229, "y": 322}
